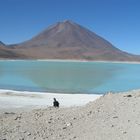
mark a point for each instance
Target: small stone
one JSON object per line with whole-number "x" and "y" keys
{"x": 129, "y": 95}
{"x": 9, "y": 113}
{"x": 64, "y": 127}
{"x": 28, "y": 134}
{"x": 115, "y": 117}
{"x": 50, "y": 119}
{"x": 90, "y": 112}
{"x": 18, "y": 117}
{"x": 69, "y": 124}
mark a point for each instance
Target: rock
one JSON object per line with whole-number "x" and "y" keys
{"x": 18, "y": 117}
{"x": 68, "y": 124}
{"x": 74, "y": 118}
{"x": 90, "y": 112}
{"x": 129, "y": 95}
{"x": 58, "y": 118}
{"x": 9, "y": 113}
{"x": 28, "y": 134}
{"x": 124, "y": 132}
{"x": 51, "y": 119}
{"x": 64, "y": 127}
{"x": 115, "y": 117}
{"x": 21, "y": 139}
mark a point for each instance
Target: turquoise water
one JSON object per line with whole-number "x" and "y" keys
{"x": 69, "y": 77}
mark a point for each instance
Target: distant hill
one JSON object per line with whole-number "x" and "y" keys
{"x": 6, "y": 53}
{"x": 68, "y": 40}
{"x": 2, "y": 44}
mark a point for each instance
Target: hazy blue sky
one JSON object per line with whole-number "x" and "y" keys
{"x": 118, "y": 21}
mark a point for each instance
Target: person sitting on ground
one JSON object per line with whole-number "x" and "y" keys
{"x": 55, "y": 103}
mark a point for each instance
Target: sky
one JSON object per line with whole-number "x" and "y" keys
{"x": 118, "y": 21}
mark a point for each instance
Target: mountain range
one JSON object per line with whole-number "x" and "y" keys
{"x": 66, "y": 40}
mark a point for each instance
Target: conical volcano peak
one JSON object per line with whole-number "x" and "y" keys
{"x": 69, "y": 40}
{"x": 59, "y": 30}
{"x": 68, "y": 21}
{"x": 68, "y": 34}
{"x": 61, "y": 24}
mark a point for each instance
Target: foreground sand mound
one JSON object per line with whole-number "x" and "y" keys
{"x": 112, "y": 117}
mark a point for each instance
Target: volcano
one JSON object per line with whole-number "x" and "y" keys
{"x": 69, "y": 40}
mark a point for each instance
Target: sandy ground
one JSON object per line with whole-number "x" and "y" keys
{"x": 111, "y": 117}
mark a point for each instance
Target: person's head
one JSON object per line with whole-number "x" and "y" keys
{"x": 54, "y": 99}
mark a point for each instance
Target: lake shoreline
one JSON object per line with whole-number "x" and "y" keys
{"x": 12, "y": 99}
{"x": 27, "y": 99}
{"x": 72, "y": 60}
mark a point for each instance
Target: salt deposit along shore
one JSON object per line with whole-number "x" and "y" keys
{"x": 25, "y": 99}
{"x": 110, "y": 117}
{"x": 73, "y": 60}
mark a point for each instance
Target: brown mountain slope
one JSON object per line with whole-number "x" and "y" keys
{"x": 68, "y": 40}
{"x": 7, "y": 53}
